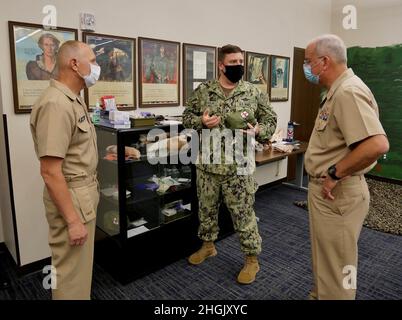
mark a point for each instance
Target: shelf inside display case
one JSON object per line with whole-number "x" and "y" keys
{"x": 158, "y": 207}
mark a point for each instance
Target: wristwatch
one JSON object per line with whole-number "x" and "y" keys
{"x": 332, "y": 173}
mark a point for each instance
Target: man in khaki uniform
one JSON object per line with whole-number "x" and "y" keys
{"x": 65, "y": 143}
{"x": 345, "y": 143}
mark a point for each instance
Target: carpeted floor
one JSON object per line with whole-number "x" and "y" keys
{"x": 285, "y": 265}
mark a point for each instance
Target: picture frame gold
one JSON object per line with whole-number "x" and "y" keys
{"x": 33, "y": 50}
{"x": 116, "y": 56}
{"x": 158, "y": 72}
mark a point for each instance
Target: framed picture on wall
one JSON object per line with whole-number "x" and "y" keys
{"x": 199, "y": 65}
{"x": 158, "y": 72}
{"x": 257, "y": 71}
{"x": 116, "y": 56}
{"x": 279, "y": 78}
{"x": 33, "y": 60}
{"x": 217, "y": 62}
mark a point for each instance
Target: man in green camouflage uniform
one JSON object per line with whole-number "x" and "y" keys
{"x": 215, "y": 105}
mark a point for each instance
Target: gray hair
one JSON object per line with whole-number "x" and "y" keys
{"x": 333, "y": 46}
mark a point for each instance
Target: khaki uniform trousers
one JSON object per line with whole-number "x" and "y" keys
{"x": 73, "y": 264}
{"x": 335, "y": 228}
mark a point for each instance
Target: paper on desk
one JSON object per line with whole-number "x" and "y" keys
{"x": 284, "y": 143}
{"x": 283, "y": 148}
{"x": 166, "y": 122}
{"x": 136, "y": 231}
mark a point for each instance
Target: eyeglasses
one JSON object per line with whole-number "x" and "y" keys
{"x": 307, "y": 61}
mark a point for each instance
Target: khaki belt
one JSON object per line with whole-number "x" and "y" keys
{"x": 319, "y": 180}
{"x": 81, "y": 181}
{"x": 314, "y": 179}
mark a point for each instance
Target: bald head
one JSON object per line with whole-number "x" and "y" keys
{"x": 74, "y": 61}
{"x": 70, "y": 50}
{"x": 330, "y": 45}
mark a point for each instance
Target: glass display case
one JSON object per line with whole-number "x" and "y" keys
{"x": 147, "y": 213}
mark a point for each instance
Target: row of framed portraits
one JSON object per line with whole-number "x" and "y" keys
{"x": 33, "y": 61}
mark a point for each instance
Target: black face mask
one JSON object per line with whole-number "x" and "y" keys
{"x": 234, "y": 73}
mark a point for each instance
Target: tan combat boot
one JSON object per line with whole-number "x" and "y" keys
{"x": 249, "y": 271}
{"x": 207, "y": 250}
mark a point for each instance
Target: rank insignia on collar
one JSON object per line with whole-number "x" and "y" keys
{"x": 81, "y": 119}
{"x": 324, "y": 116}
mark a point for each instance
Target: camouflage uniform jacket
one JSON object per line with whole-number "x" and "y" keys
{"x": 245, "y": 97}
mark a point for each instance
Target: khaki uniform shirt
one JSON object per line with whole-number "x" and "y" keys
{"x": 61, "y": 127}
{"x": 349, "y": 115}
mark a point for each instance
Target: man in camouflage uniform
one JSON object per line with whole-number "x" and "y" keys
{"x": 211, "y": 106}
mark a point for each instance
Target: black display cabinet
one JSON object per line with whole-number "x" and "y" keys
{"x": 147, "y": 213}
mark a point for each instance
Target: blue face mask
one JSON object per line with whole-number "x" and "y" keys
{"x": 315, "y": 79}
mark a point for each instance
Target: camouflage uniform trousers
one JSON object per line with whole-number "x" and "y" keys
{"x": 238, "y": 193}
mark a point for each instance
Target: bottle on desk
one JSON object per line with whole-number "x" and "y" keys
{"x": 96, "y": 114}
{"x": 290, "y": 131}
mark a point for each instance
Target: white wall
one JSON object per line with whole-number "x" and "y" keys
{"x": 379, "y": 23}
{"x": 272, "y": 27}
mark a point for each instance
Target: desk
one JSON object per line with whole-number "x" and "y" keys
{"x": 271, "y": 155}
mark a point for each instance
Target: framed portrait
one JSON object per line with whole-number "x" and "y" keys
{"x": 257, "y": 71}
{"x": 199, "y": 65}
{"x": 116, "y": 56}
{"x": 33, "y": 60}
{"x": 158, "y": 72}
{"x": 217, "y": 63}
{"x": 279, "y": 78}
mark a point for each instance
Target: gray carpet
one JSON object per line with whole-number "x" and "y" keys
{"x": 285, "y": 265}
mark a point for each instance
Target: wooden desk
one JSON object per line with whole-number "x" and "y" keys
{"x": 268, "y": 156}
